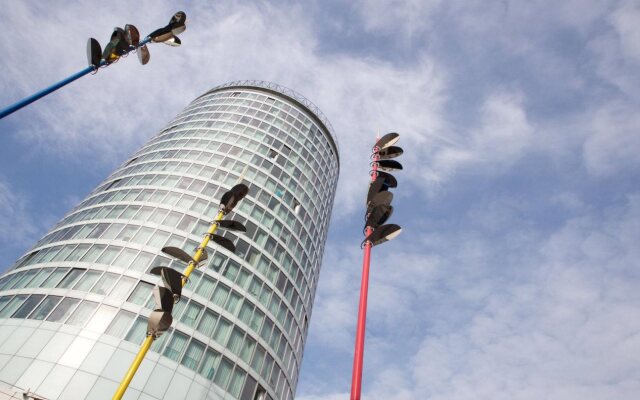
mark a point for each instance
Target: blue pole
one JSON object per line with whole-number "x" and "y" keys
{"x": 25, "y": 102}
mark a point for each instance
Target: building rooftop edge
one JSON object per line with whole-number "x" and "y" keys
{"x": 292, "y": 95}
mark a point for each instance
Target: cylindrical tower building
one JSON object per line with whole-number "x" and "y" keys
{"x": 74, "y": 308}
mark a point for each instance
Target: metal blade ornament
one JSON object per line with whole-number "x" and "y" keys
{"x": 159, "y": 322}
{"x": 131, "y": 35}
{"x": 387, "y": 140}
{"x": 175, "y": 26}
{"x": 224, "y": 242}
{"x": 232, "y": 197}
{"x": 375, "y": 187}
{"x": 163, "y": 299}
{"x": 389, "y": 165}
{"x": 94, "y": 53}
{"x": 382, "y": 234}
{"x": 178, "y": 22}
{"x": 390, "y": 152}
{"x": 119, "y": 38}
{"x": 109, "y": 55}
{"x": 160, "y": 35}
{"x": 379, "y": 215}
{"x": 389, "y": 180}
{"x": 143, "y": 54}
{"x": 182, "y": 255}
{"x": 233, "y": 226}
{"x": 382, "y": 198}
{"x": 173, "y": 41}
{"x": 172, "y": 280}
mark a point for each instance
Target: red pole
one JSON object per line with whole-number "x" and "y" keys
{"x": 358, "y": 355}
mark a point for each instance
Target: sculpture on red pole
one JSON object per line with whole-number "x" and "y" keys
{"x": 379, "y": 209}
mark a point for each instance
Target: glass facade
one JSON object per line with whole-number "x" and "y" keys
{"x": 74, "y": 308}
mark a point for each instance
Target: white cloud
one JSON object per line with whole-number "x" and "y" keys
{"x": 500, "y": 138}
{"x": 615, "y": 140}
{"x": 409, "y": 17}
{"x": 17, "y": 227}
{"x": 626, "y": 20}
{"x": 557, "y": 324}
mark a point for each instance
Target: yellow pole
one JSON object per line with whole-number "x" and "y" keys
{"x": 149, "y": 339}
{"x": 200, "y": 251}
{"x": 133, "y": 368}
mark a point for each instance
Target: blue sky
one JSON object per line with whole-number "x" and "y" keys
{"x": 516, "y": 276}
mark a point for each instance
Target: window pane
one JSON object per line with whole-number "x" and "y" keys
{"x": 246, "y": 312}
{"x": 247, "y": 349}
{"x": 237, "y": 379}
{"x": 105, "y": 283}
{"x": 71, "y": 278}
{"x": 158, "y": 344}
{"x": 177, "y": 308}
{"x": 224, "y": 372}
{"x": 176, "y": 346}
{"x": 13, "y": 305}
{"x": 66, "y": 250}
{"x": 191, "y": 314}
{"x": 143, "y": 235}
{"x": 122, "y": 288}
{"x": 222, "y": 331}
{"x": 26, "y": 278}
{"x": 87, "y": 280}
{"x": 206, "y": 287}
{"x": 45, "y": 308}
{"x": 232, "y": 303}
{"x": 81, "y": 315}
{"x": 207, "y": 368}
{"x": 138, "y": 331}
{"x": 78, "y": 252}
{"x": 62, "y": 311}
{"x": 141, "y": 262}
{"x": 236, "y": 341}
{"x": 5, "y": 282}
{"x": 28, "y": 306}
{"x": 4, "y": 300}
{"x": 192, "y": 356}
{"x": 109, "y": 255}
{"x": 125, "y": 258}
{"x": 141, "y": 293}
{"x": 258, "y": 358}
{"x": 93, "y": 253}
{"x": 220, "y": 295}
{"x": 158, "y": 239}
{"x": 207, "y": 323}
{"x": 120, "y": 324}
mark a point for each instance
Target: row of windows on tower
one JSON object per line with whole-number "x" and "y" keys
{"x": 312, "y": 143}
{"x": 189, "y": 313}
{"x": 211, "y": 361}
{"x": 215, "y": 292}
{"x": 135, "y": 260}
{"x": 273, "y": 233}
{"x": 309, "y": 180}
{"x": 225, "y": 124}
{"x": 256, "y": 105}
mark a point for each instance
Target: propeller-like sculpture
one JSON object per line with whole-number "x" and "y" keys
{"x": 121, "y": 43}
{"x": 124, "y": 41}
